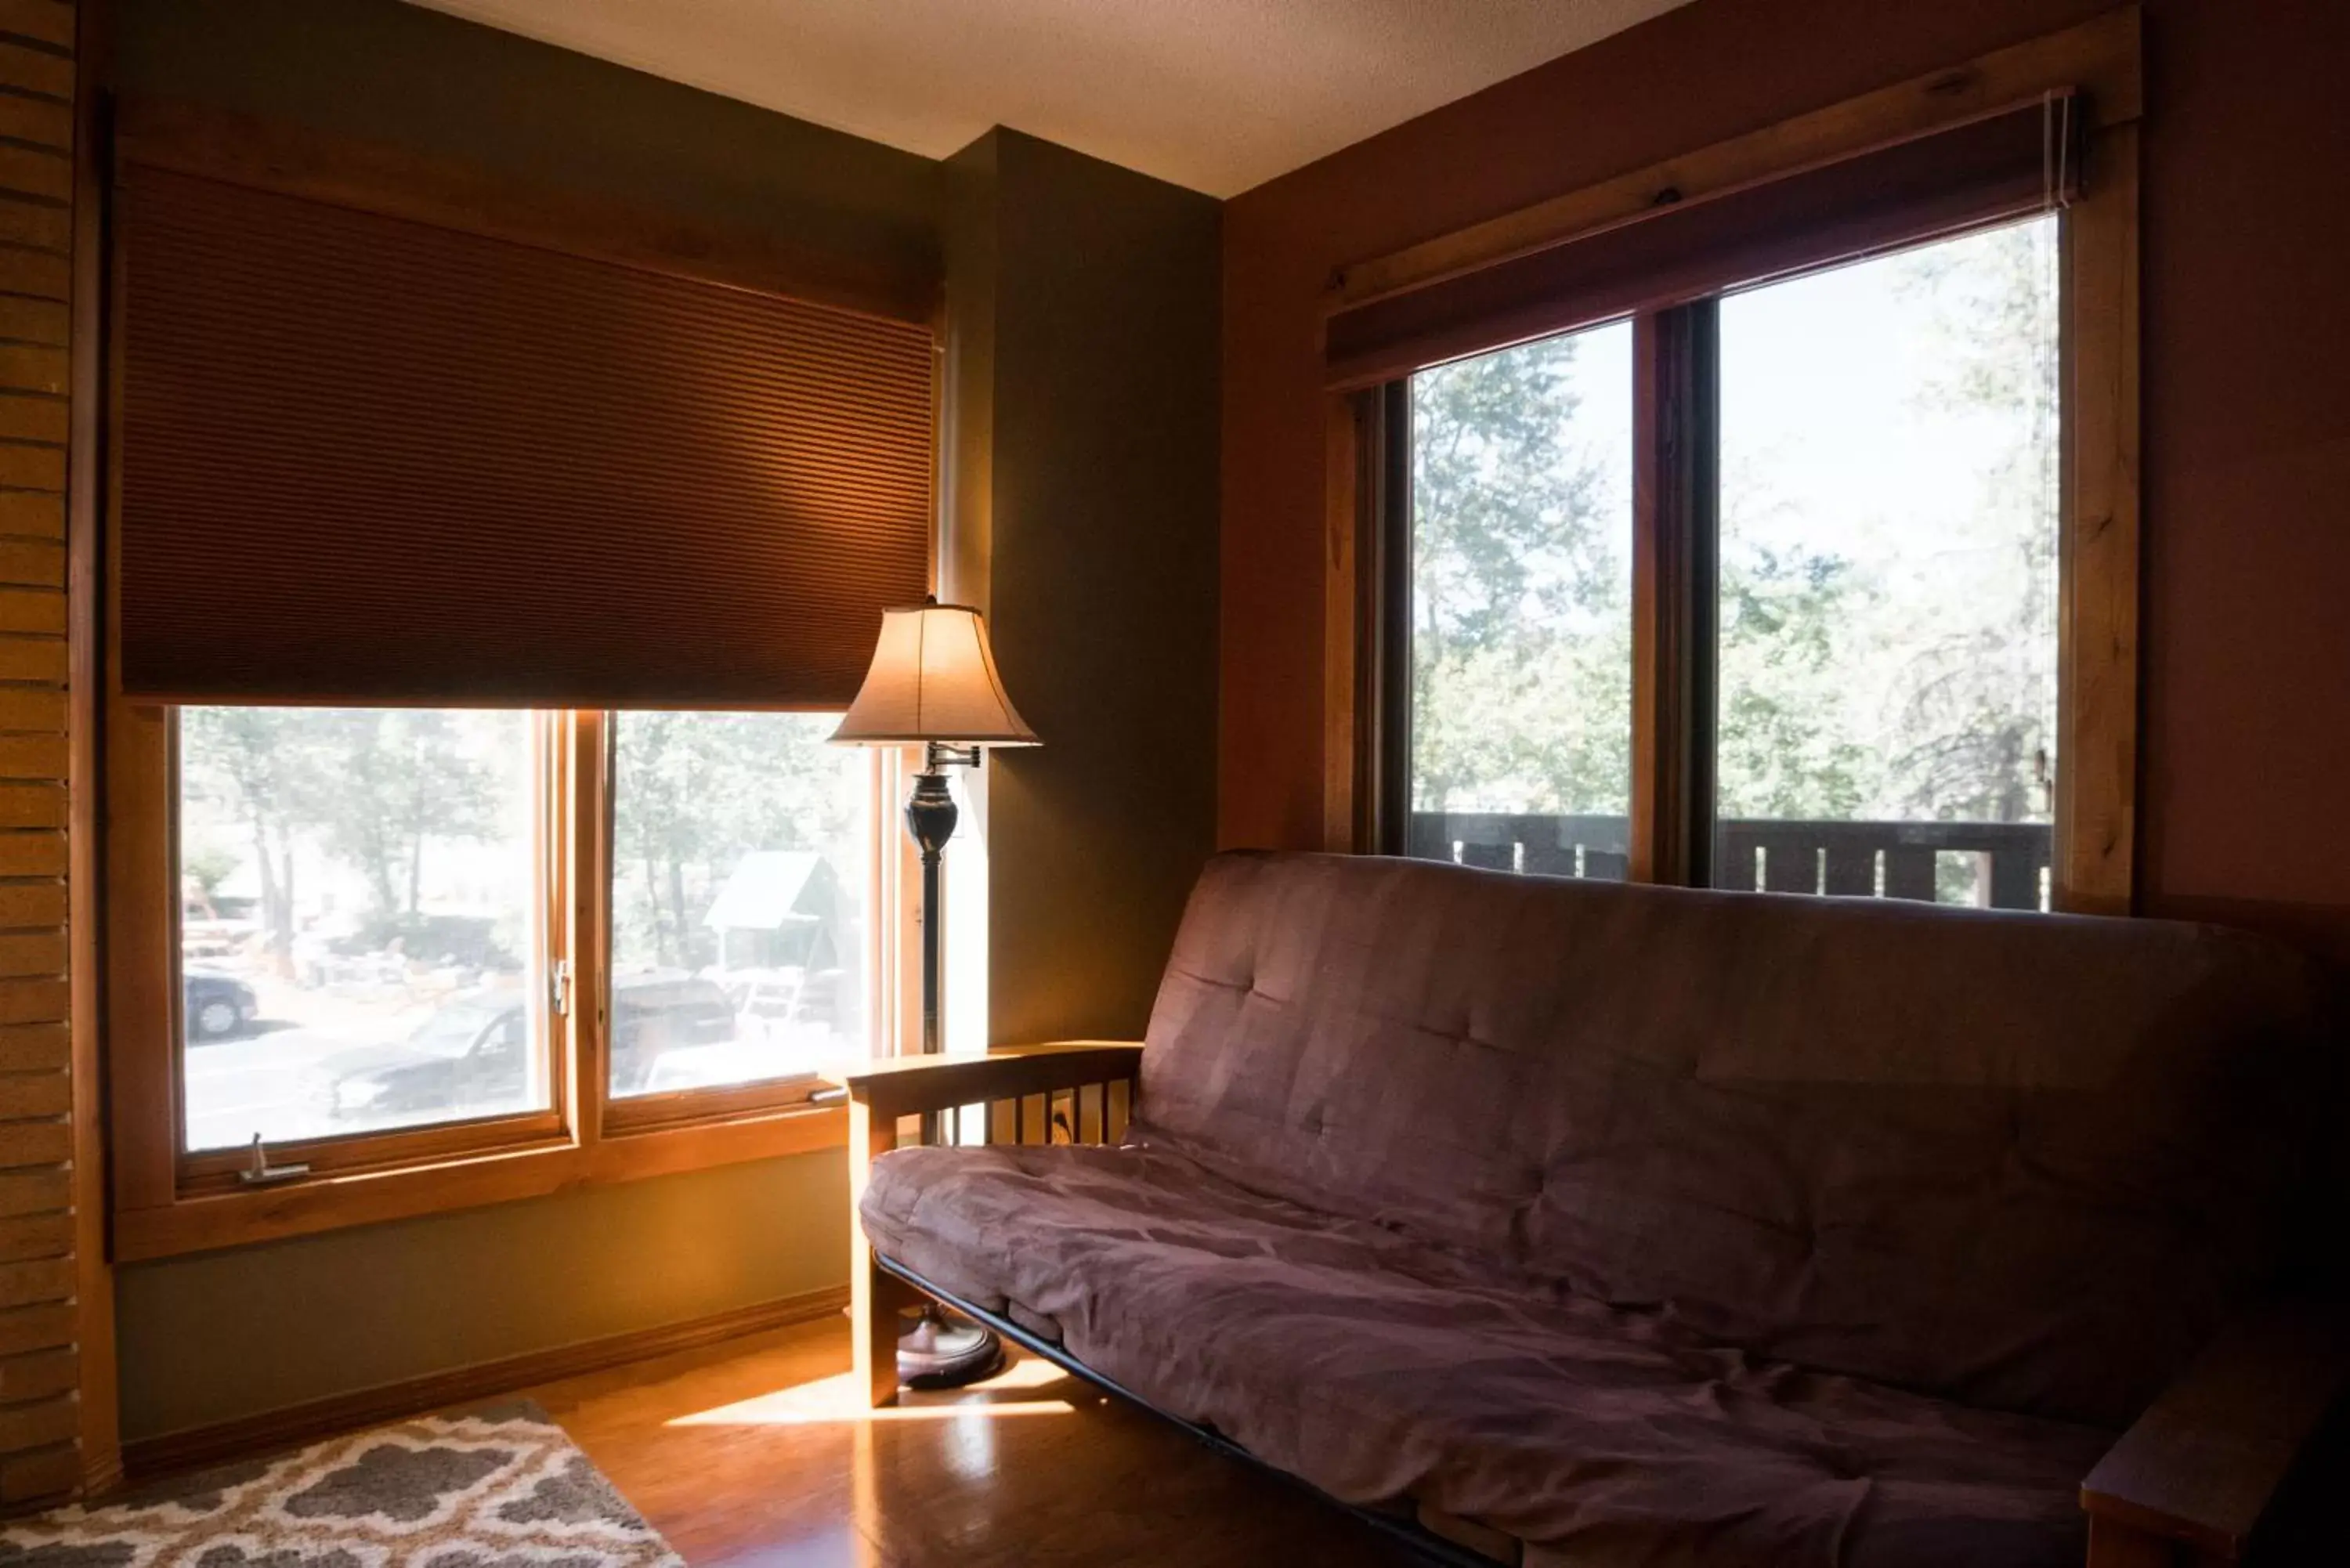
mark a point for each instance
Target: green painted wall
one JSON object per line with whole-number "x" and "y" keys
{"x": 1091, "y": 433}
{"x": 216, "y": 1335}
{"x": 1084, "y": 364}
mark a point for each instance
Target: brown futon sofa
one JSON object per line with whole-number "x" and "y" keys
{"x": 1609, "y": 1224}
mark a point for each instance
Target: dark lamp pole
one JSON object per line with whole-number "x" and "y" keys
{"x": 933, "y": 682}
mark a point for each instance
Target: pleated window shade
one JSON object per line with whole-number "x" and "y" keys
{"x": 372, "y": 461}
{"x": 2000, "y": 165}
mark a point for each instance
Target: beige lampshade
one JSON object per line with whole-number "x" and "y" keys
{"x": 933, "y": 679}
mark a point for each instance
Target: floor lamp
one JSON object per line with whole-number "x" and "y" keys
{"x": 934, "y": 683}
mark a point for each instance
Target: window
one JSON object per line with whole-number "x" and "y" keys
{"x": 361, "y": 945}
{"x": 477, "y": 953}
{"x": 739, "y": 843}
{"x": 1521, "y": 637}
{"x": 431, "y": 949}
{"x": 1890, "y": 439}
{"x": 1879, "y": 624}
{"x": 1885, "y": 509}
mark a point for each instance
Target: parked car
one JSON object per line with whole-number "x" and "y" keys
{"x": 215, "y": 1005}
{"x": 475, "y": 1049}
{"x": 653, "y": 1015}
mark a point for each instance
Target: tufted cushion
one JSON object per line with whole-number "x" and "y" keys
{"x": 2021, "y": 1161}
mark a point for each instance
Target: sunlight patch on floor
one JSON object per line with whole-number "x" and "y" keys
{"x": 841, "y": 1400}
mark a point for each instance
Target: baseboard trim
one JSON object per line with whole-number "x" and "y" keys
{"x": 144, "y": 1459}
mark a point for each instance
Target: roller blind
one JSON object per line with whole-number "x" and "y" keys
{"x": 2000, "y": 165}
{"x": 366, "y": 460}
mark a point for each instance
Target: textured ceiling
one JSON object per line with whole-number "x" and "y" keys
{"x": 1218, "y": 95}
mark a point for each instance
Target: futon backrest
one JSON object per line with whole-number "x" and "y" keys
{"x": 2027, "y": 1161}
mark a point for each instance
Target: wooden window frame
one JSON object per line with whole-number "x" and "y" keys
{"x": 590, "y": 868}
{"x": 1366, "y": 512}
{"x": 164, "y": 1203}
{"x": 168, "y": 1201}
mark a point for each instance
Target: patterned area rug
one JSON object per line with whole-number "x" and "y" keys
{"x": 497, "y": 1488}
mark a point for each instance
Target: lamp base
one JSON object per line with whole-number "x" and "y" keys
{"x": 936, "y": 1351}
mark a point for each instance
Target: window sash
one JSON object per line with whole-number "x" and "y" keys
{"x": 377, "y": 1150}
{"x": 594, "y": 802}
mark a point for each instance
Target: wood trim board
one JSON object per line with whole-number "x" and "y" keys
{"x": 146, "y": 1457}
{"x": 1344, "y": 444}
{"x": 200, "y": 1223}
{"x": 2099, "y": 56}
{"x": 2095, "y": 860}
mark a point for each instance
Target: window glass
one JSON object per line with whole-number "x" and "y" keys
{"x": 740, "y": 848}
{"x": 1521, "y": 616}
{"x": 1889, "y": 570}
{"x": 359, "y": 932}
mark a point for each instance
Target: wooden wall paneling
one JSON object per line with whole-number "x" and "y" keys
{"x": 54, "y": 1435}
{"x": 43, "y": 21}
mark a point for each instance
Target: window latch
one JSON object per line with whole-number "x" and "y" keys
{"x": 261, "y": 1173}
{"x": 559, "y": 987}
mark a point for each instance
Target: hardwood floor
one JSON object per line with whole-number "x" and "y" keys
{"x": 754, "y": 1451}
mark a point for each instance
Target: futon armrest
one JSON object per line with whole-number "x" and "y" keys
{"x": 905, "y": 1085}
{"x": 2200, "y": 1467}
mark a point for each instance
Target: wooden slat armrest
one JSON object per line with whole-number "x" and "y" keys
{"x": 2200, "y": 1467}
{"x": 903, "y": 1085}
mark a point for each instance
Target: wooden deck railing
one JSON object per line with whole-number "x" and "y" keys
{"x": 1864, "y": 860}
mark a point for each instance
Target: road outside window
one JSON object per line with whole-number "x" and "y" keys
{"x": 358, "y": 938}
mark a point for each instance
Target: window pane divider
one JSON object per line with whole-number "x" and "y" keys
{"x": 587, "y": 834}
{"x": 1675, "y": 546}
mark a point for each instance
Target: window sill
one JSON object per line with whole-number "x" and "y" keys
{"x": 204, "y": 1222}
